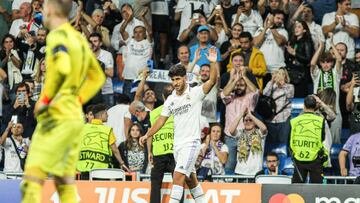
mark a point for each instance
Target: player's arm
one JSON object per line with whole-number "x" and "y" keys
{"x": 95, "y": 79}
{"x": 156, "y": 127}
{"x": 208, "y": 85}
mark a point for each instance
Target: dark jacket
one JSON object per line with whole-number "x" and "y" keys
{"x": 124, "y": 155}
{"x": 304, "y": 50}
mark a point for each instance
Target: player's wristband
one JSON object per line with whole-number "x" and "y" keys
{"x": 46, "y": 100}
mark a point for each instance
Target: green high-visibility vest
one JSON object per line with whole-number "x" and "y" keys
{"x": 163, "y": 140}
{"x": 95, "y": 151}
{"x": 306, "y": 135}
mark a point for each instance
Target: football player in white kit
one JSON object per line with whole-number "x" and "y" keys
{"x": 185, "y": 104}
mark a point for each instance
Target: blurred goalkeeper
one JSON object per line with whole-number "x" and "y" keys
{"x": 73, "y": 77}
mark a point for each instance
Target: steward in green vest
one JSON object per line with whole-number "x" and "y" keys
{"x": 306, "y": 143}
{"x": 98, "y": 143}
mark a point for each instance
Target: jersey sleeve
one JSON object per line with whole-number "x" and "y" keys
{"x": 198, "y": 93}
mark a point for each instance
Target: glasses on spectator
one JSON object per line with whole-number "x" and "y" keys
{"x": 271, "y": 161}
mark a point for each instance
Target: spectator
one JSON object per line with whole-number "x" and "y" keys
{"x": 11, "y": 61}
{"x": 95, "y": 25}
{"x": 187, "y": 35}
{"x": 16, "y": 8}
{"x": 184, "y": 12}
{"x": 344, "y": 25}
{"x": 228, "y": 10}
{"x": 306, "y": 13}
{"x": 298, "y": 60}
{"x": 272, "y": 40}
{"x": 229, "y": 46}
{"x": 251, "y": 141}
{"x": 138, "y": 50}
{"x": 23, "y": 107}
{"x": 183, "y": 54}
{"x": 353, "y": 104}
{"x": 120, "y": 118}
{"x": 94, "y": 134}
{"x": 248, "y": 17}
{"x": 280, "y": 89}
{"x": 22, "y": 22}
{"x": 117, "y": 41}
{"x": 208, "y": 109}
{"x": 351, "y": 149}
{"x": 147, "y": 96}
{"x": 219, "y": 26}
{"x": 306, "y": 145}
{"x": 272, "y": 165}
{"x": 5, "y": 18}
{"x": 36, "y": 6}
{"x": 161, "y": 25}
{"x": 203, "y": 34}
{"x": 239, "y": 94}
{"x": 133, "y": 154}
{"x": 89, "y": 115}
{"x": 112, "y": 15}
{"x": 215, "y": 153}
{"x": 141, "y": 114}
{"x": 39, "y": 79}
{"x": 107, "y": 63}
{"x": 15, "y": 147}
{"x": 268, "y": 7}
{"x": 253, "y": 58}
{"x": 328, "y": 76}
{"x": 41, "y": 41}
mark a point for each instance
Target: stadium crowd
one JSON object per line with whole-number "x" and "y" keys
{"x": 268, "y": 53}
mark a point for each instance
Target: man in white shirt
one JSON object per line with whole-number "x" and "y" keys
{"x": 271, "y": 41}
{"x": 248, "y": 17}
{"x": 16, "y": 8}
{"x": 185, "y": 104}
{"x": 119, "y": 118}
{"x": 344, "y": 25}
{"x": 117, "y": 42}
{"x": 23, "y": 21}
{"x": 107, "y": 63}
{"x": 185, "y": 8}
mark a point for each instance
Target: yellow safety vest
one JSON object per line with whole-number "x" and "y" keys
{"x": 163, "y": 140}
{"x": 95, "y": 151}
{"x": 305, "y": 137}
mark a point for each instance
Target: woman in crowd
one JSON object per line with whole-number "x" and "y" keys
{"x": 231, "y": 45}
{"x": 220, "y": 26}
{"x": 214, "y": 152}
{"x": 11, "y": 61}
{"x": 39, "y": 79}
{"x": 134, "y": 156}
{"x": 280, "y": 89}
{"x": 298, "y": 56}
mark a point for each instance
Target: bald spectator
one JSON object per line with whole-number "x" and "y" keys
{"x": 22, "y": 22}
{"x": 16, "y": 10}
{"x": 140, "y": 114}
{"x": 95, "y": 25}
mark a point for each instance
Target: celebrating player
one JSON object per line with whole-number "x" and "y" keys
{"x": 73, "y": 77}
{"x": 185, "y": 104}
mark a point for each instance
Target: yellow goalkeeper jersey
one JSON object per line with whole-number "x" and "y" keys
{"x": 73, "y": 75}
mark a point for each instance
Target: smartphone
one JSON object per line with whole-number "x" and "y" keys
{"x": 196, "y": 17}
{"x": 150, "y": 65}
{"x": 21, "y": 97}
{"x": 14, "y": 119}
{"x": 242, "y": 4}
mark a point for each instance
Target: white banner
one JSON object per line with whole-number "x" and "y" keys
{"x": 162, "y": 76}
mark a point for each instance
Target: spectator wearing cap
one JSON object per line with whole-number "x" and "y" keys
{"x": 93, "y": 153}
{"x": 187, "y": 36}
{"x": 200, "y": 50}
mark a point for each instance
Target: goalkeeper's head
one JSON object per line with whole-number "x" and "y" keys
{"x": 55, "y": 12}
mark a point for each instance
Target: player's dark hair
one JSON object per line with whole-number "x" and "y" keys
{"x": 310, "y": 102}
{"x": 177, "y": 70}
{"x": 63, "y": 7}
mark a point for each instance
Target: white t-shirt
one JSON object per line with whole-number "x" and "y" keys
{"x": 17, "y": 3}
{"x": 106, "y": 58}
{"x": 340, "y": 35}
{"x": 317, "y": 34}
{"x": 222, "y": 37}
{"x": 135, "y": 57}
{"x": 12, "y": 161}
{"x": 116, "y": 116}
{"x": 254, "y": 162}
{"x": 273, "y": 53}
{"x": 186, "y": 7}
{"x": 187, "y": 111}
{"x": 251, "y": 23}
{"x": 212, "y": 161}
{"x": 116, "y": 37}
{"x": 15, "y": 26}
{"x": 160, "y": 7}
{"x": 315, "y": 75}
